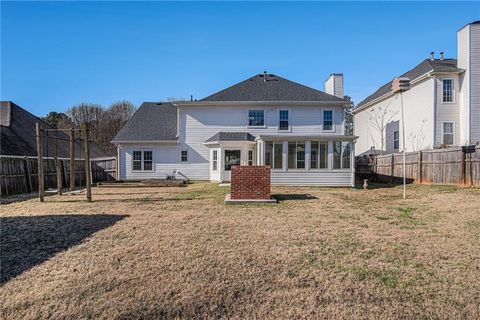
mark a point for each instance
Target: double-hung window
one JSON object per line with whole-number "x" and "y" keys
{"x": 341, "y": 155}
{"x": 256, "y": 118}
{"x": 283, "y": 123}
{"x": 327, "y": 120}
{"x": 448, "y": 91}
{"x": 142, "y": 160}
{"x": 273, "y": 154}
{"x": 250, "y": 157}
{"x": 396, "y": 140}
{"x": 448, "y": 133}
{"x": 318, "y": 155}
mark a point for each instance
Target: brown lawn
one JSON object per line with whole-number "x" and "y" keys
{"x": 180, "y": 253}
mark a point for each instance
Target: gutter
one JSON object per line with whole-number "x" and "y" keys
{"x": 262, "y": 103}
{"x": 147, "y": 141}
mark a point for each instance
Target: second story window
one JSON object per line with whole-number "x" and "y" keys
{"x": 256, "y": 118}
{"x": 327, "y": 120}
{"x": 283, "y": 123}
{"x": 448, "y": 90}
{"x": 396, "y": 140}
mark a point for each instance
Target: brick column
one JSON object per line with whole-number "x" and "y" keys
{"x": 250, "y": 182}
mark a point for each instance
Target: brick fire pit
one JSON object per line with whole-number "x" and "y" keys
{"x": 249, "y": 184}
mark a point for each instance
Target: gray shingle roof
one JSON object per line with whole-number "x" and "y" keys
{"x": 18, "y": 136}
{"x": 153, "y": 121}
{"x": 446, "y": 65}
{"x": 231, "y": 136}
{"x": 271, "y": 88}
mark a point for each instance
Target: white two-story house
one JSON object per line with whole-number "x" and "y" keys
{"x": 265, "y": 120}
{"x": 442, "y": 107}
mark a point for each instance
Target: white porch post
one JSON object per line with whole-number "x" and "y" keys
{"x": 285, "y": 156}
{"x": 352, "y": 159}
{"x": 308, "y": 149}
{"x": 330, "y": 155}
{"x": 261, "y": 153}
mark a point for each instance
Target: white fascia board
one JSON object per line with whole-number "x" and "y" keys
{"x": 263, "y": 103}
{"x": 336, "y": 137}
{"x": 148, "y": 141}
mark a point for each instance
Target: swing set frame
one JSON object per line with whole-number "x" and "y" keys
{"x": 88, "y": 169}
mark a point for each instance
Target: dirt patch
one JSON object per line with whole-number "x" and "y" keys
{"x": 181, "y": 253}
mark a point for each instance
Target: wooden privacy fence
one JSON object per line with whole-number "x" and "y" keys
{"x": 20, "y": 174}
{"x": 440, "y": 166}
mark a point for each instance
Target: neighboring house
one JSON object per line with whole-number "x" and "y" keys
{"x": 18, "y": 136}
{"x": 264, "y": 120}
{"x": 441, "y": 108}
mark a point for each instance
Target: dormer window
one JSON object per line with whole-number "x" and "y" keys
{"x": 448, "y": 90}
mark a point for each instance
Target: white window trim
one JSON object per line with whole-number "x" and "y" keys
{"x": 213, "y": 160}
{"x": 333, "y": 121}
{"x": 180, "y": 156}
{"x": 453, "y": 127}
{"x": 264, "y": 118}
{"x": 454, "y": 96}
{"x": 397, "y": 140}
{"x": 142, "y": 160}
{"x": 289, "y": 120}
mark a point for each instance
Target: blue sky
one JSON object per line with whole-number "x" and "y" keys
{"x": 57, "y": 54}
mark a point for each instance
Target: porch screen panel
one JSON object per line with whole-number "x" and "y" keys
{"x": 323, "y": 149}
{"x": 269, "y": 153}
{"x": 345, "y": 155}
{"x": 314, "y": 155}
{"x": 337, "y": 155}
{"x": 277, "y": 159}
{"x": 300, "y": 155}
{"x": 292, "y": 155}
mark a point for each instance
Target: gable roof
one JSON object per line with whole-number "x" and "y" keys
{"x": 427, "y": 65}
{"x": 231, "y": 136}
{"x": 269, "y": 87}
{"x": 18, "y": 136}
{"x": 153, "y": 121}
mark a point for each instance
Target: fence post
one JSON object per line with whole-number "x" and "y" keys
{"x": 58, "y": 171}
{"x": 420, "y": 171}
{"x": 72, "y": 160}
{"x": 41, "y": 185}
{"x": 392, "y": 168}
{"x": 463, "y": 168}
{"x": 27, "y": 174}
{"x": 87, "y": 164}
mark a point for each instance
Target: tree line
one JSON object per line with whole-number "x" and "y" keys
{"x": 104, "y": 123}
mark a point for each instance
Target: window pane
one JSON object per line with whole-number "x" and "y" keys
{"x": 250, "y": 157}
{"x": 215, "y": 160}
{"x": 284, "y": 120}
{"x": 346, "y": 155}
{"x": 278, "y": 156}
{"x": 396, "y": 140}
{"x": 323, "y": 155}
{"x": 448, "y": 138}
{"x": 137, "y": 155}
{"x": 301, "y": 155}
{"x": 147, "y": 165}
{"x": 327, "y": 120}
{"x": 448, "y": 127}
{"x": 447, "y": 90}
{"x": 147, "y": 155}
{"x": 291, "y": 155}
{"x": 269, "y": 153}
{"x": 255, "y": 118}
{"x": 314, "y": 156}
{"x": 137, "y": 165}
{"x": 337, "y": 154}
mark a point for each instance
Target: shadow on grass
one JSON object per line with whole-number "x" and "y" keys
{"x": 377, "y": 185}
{"x": 293, "y": 196}
{"x": 31, "y": 240}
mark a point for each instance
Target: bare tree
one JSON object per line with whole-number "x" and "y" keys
{"x": 379, "y": 118}
{"x": 417, "y": 138}
{"x": 348, "y": 117}
{"x": 114, "y": 119}
{"x": 173, "y": 99}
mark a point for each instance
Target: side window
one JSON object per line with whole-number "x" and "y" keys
{"x": 147, "y": 160}
{"x": 256, "y": 118}
{"x": 396, "y": 140}
{"x": 448, "y": 92}
{"x": 283, "y": 121}
{"x": 250, "y": 157}
{"x": 184, "y": 156}
{"x": 215, "y": 160}
{"x": 448, "y": 133}
{"x": 142, "y": 160}
{"x": 327, "y": 120}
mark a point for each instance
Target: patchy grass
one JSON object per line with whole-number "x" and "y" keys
{"x": 180, "y": 253}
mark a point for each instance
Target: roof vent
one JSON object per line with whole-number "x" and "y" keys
{"x": 432, "y": 55}
{"x": 264, "y": 76}
{"x": 441, "y": 55}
